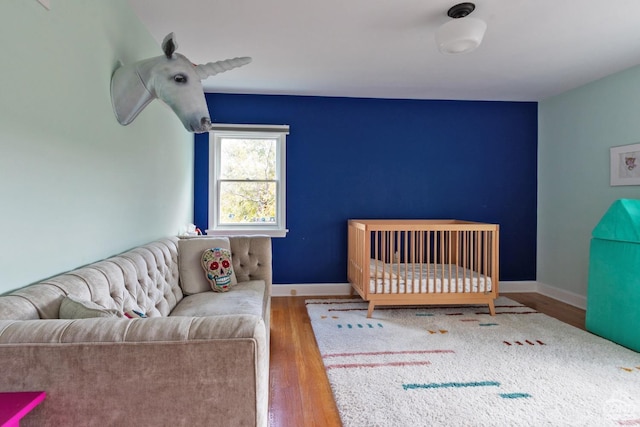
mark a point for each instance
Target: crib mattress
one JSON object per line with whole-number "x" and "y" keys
{"x": 425, "y": 278}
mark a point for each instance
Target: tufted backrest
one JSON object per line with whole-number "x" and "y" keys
{"x": 251, "y": 257}
{"x": 144, "y": 278}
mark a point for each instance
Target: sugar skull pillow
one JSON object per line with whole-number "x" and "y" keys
{"x": 218, "y": 268}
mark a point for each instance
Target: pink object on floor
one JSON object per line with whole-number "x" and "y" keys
{"x": 14, "y": 406}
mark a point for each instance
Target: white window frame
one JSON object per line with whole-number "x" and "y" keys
{"x": 217, "y": 133}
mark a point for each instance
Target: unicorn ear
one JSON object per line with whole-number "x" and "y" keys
{"x": 169, "y": 45}
{"x": 213, "y": 68}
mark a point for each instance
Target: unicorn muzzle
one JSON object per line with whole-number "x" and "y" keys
{"x": 203, "y": 126}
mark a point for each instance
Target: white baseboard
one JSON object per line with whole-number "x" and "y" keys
{"x": 518, "y": 286}
{"x": 311, "y": 289}
{"x": 546, "y": 290}
{"x": 568, "y": 297}
{"x": 340, "y": 289}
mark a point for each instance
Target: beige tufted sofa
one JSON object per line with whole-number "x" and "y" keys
{"x": 197, "y": 360}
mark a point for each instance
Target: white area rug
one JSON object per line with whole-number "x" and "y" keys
{"x": 458, "y": 366}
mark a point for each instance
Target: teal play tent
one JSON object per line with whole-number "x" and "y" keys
{"x": 613, "y": 295}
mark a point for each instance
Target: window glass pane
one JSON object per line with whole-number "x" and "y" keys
{"x": 247, "y": 158}
{"x": 247, "y": 202}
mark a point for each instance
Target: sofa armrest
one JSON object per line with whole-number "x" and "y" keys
{"x": 167, "y": 371}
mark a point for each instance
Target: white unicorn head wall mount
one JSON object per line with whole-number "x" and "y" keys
{"x": 173, "y": 79}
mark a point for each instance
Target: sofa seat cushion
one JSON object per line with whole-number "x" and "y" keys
{"x": 244, "y": 298}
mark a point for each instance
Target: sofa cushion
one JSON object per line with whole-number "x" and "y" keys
{"x": 217, "y": 266}
{"x": 190, "y": 250}
{"x": 74, "y": 308}
{"x": 245, "y": 298}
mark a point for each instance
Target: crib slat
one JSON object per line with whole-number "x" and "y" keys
{"x": 456, "y": 263}
{"x": 464, "y": 256}
{"x": 449, "y": 261}
{"x": 429, "y": 259}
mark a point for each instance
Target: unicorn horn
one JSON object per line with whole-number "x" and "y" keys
{"x": 213, "y": 68}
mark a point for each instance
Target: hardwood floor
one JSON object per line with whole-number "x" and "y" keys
{"x": 300, "y": 394}
{"x": 299, "y": 390}
{"x": 574, "y": 316}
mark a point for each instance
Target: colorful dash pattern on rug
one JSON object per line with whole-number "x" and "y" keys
{"x": 455, "y": 385}
{"x": 457, "y": 365}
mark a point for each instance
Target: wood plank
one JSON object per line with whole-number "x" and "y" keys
{"x": 284, "y": 383}
{"x": 566, "y": 313}
{"x": 300, "y": 391}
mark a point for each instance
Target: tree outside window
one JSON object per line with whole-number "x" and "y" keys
{"x": 247, "y": 181}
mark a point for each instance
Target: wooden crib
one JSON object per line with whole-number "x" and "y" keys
{"x": 416, "y": 262}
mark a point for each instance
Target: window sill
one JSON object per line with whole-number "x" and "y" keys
{"x": 247, "y": 232}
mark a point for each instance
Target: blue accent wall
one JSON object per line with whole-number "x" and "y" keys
{"x": 384, "y": 158}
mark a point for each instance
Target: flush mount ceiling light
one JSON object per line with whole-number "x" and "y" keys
{"x": 462, "y": 34}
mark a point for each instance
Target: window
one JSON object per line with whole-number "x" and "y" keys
{"x": 247, "y": 179}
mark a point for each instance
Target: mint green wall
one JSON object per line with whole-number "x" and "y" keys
{"x": 575, "y": 131}
{"x": 76, "y": 186}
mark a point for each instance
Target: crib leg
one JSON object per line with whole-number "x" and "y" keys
{"x": 492, "y": 308}
{"x": 351, "y": 290}
{"x": 370, "y": 310}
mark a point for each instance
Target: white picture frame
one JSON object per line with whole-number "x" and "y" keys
{"x": 625, "y": 165}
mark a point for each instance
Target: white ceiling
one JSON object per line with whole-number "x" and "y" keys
{"x": 533, "y": 49}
